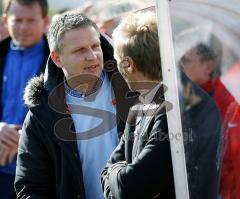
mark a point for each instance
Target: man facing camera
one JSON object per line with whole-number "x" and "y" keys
{"x": 74, "y": 120}
{"x": 23, "y": 55}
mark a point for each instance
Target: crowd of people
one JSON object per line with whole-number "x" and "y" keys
{"x": 82, "y": 118}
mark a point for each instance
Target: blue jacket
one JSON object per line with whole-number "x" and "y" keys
{"x": 4, "y": 48}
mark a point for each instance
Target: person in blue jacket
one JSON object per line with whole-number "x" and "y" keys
{"x": 22, "y": 56}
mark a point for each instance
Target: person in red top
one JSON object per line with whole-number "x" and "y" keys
{"x": 200, "y": 65}
{"x": 230, "y": 178}
{"x": 231, "y": 151}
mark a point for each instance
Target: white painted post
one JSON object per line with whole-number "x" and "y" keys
{"x": 173, "y": 116}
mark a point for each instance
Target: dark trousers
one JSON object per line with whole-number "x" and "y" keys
{"x": 7, "y": 186}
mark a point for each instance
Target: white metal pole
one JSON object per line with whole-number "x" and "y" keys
{"x": 174, "y": 116}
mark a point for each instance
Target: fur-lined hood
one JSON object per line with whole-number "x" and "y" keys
{"x": 33, "y": 91}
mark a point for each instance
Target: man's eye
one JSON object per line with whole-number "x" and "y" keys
{"x": 17, "y": 20}
{"x": 96, "y": 45}
{"x": 79, "y": 50}
{"x": 31, "y": 21}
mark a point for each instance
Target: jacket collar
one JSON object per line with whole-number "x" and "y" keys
{"x": 157, "y": 105}
{"x": 5, "y": 46}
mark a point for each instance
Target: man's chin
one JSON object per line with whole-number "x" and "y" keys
{"x": 93, "y": 73}
{"x": 25, "y": 43}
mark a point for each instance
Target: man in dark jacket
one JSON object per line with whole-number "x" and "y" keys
{"x": 202, "y": 64}
{"x": 141, "y": 167}
{"x": 75, "y": 120}
{"x": 22, "y": 56}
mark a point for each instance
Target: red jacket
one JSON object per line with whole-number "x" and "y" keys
{"x": 230, "y": 178}
{"x": 229, "y": 110}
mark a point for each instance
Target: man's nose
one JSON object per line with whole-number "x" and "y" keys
{"x": 91, "y": 55}
{"x": 24, "y": 25}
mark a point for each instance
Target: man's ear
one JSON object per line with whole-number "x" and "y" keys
{"x": 210, "y": 66}
{"x": 56, "y": 59}
{"x": 132, "y": 66}
{"x": 5, "y": 19}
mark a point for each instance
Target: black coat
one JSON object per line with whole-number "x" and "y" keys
{"x": 149, "y": 170}
{"x": 145, "y": 147}
{"x": 202, "y": 141}
{"x": 4, "y": 48}
{"x": 48, "y": 164}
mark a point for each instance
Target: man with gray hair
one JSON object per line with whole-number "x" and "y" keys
{"x": 73, "y": 125}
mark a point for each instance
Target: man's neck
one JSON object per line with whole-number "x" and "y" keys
{"x": 143, "y": 86}
{"x": 16, "y": 46}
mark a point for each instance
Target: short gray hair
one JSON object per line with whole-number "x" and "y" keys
{"x": 65, "y": 22}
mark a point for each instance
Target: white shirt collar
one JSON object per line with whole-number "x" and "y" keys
{"x": 148, "y": 98}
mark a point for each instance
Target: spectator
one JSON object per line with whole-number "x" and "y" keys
{"x": 230, "y": 179}
{"x": 200, "y": 65}
{"x": 22, "y": 56}
{"x": 202, "y": 140}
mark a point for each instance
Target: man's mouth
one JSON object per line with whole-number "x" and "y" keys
{"x": 92, "y": 67}
{"x": 24, "y": 36}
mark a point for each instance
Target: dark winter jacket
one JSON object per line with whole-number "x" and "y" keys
{"x": 141, "y": 165}
{"x": 202, "y": 141}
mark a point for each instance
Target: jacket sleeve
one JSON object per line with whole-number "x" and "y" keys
{"x": 34, "y": 170}
{"x": 117, "y": 155}
{"x": 150, "y": 173}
